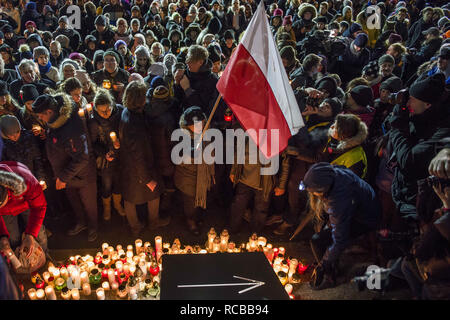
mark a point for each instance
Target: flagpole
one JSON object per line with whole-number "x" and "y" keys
{"x": 216, "y": 104}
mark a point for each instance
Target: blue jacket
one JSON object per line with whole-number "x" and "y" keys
{"x": 349, "y": 199}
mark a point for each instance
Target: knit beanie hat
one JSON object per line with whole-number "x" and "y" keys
{"x": 362, "y": 95}
{"x": 392, "y": 84}
{"x": 82, "y": 75}
{"x": 361, "y": 40}
{"x": 319, "y": 177}
{"x": 278, "y": 12}
{"x": 394, "y": 38}
{"x": 30, "y": 22}
{"x": 91, "y": 38}
{"x": 355, "y": 27}
{"x": 161, "y": 93}
{"x": 156, "y": 82}
{"x": 386, "y": 58}
{"x": 9, "y": 125}
{"x": 119, "y": 43}
{"x": 111, "y": 53}
{"x": 191, "y": 115}
{"x": 29, "y": 92}
{"x": 40, "y": 51}
{"x": 288, "y": 53}
{"x": 63, "y": 19}
{"x": 75, "y": 56}
{"x": 142, "y": 52}
{"x": 327, "y": 84}
{"x": 229, "y": 34}
{"x": 430, "y": 89}
{"x": 287, "y": 20}
{"x": 100, "y": 21}
{"x": 157, "y": 69}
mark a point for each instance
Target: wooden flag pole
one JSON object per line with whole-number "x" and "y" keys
{"x": 216, "y": 104}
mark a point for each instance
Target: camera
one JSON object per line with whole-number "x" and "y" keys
{"x": 400, "y": 97}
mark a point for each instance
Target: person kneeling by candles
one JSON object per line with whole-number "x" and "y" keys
{"x": 352, "y": 208}
{"x": 21, "y": 196}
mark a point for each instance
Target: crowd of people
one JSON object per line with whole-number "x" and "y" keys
{"x": 88, "y": 104}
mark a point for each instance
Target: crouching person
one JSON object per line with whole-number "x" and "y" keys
{"x": 352, "y": 208}
{"x": 21, "y": 198}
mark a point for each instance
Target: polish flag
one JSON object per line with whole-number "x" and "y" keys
{"x": 256, "y": 88}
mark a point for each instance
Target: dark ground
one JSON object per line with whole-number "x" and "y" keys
{"x": 117, "y": 232}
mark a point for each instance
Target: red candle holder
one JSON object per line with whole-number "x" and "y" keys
{"x": 302, "y": 268}
{"x": 105, "y": 273}
{"x": 153, "y": 269}
{"x": 98, "y": 259}
{"x": 122, "y": 278}
{"x": 40, "y": 284}
{"x": 275, "y": 252}
{"x": 292, "y": 297}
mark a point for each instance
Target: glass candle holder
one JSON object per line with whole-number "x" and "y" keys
{"x": 66, "y": 293}
{"x": 122, "y": 291}
{"x": 224, "y": 237}
{"x": 106, "y": 259}
{"x": 100, "y": 294}
{"x": 106, "y": 286}
{"x": 32, "y": 294}
{"x": 75, "y": 294}
{"x": 46, "y": 275}
{"x": 60, "y": 283}
{"x": 86, "y": 289}
{"x": 50, "y": 293}
{"x": 40, "y": 294}
{"x": 105, "y": 246}
{"x": 138, "y": 245}
{"x": 288, "y": 288}
{"x": 95, "y": 277}
{"x": 282, "y": 276}
{"x": 216, "y": 245}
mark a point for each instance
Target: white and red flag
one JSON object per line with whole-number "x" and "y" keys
{"x": 256, "y": 88}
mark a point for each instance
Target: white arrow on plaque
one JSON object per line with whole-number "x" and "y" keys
{"x": 253, "y": 283}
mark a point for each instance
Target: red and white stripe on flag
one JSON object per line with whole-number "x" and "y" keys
{"x": 255, "y": 86}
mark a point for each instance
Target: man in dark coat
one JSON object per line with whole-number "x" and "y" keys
{"x": 117, "y": 77}
{"x": 415, "y": 131}
{"x": 355, "y": 57}
{"x": 103, "y": 34}
{"x": 73, "y": 164}
{"x": 353, "y": 210}
{"x": 415, "y": 34}
{"x": 73, "y": 35}
{"x": 197, "y": 85}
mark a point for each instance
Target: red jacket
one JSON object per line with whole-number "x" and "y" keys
{"x": 31, "y": 199}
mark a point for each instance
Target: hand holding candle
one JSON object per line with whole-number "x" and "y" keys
{"x": 115, "y": 140}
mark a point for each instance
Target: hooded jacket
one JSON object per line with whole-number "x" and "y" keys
{"x": 24, "y": 193}
{"x": 214, "y": 27}
{"x": 68, "y": 148}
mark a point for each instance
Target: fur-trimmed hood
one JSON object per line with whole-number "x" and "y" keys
{"x": 306, "y": 7}
{"x": 192, "y": 27}
{"x": 12, "y": 181}
{"x": 354, "y": 141}
{"x": 65, "y": 111}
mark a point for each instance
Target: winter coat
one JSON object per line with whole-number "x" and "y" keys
{"x": 300, "y": 78}
{"x": 99, "y": 132}
{"x": 40, "y": 85}
{"x": 105, "y": 39}
{"x": 413, "y": 147}
{"x": 351, "y": 64}
{"x": 229, "y": 22}
{"x": 202, "y": 92}
{"x": 426, "y": 52}
{"x": 24, "y": 193}
{"x": 349, "y": 153}
{"x": 415, "y": 35}
{"x": 121, "y": 76}
{"x": 162, "y": 119}
{"x": 26, "y": 151}
{"x": 9, "y": 75}
{"x": 137, "y": 162}
{"x": 68, "y": 148}
{"x": 349, "y": 199}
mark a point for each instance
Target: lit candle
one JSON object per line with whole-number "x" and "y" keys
{"x": 105, "y": 286}
{"x": 277, "y": 268}
{"x": 288, "y": 288}
{"x": 106, "y": 260}
{"x": 211, "y": 236}
{"x": 158, "y": 246}
{"x": 224, "y": 237}
{"x": 119, "y": 266}
{"x": 36, "y": 127}
{"x": 89, "y": 107}
{"x": 50, "y": 293}
{"x": 203, "y": 251}
{"x": 132, "y": 269}
{"x": 111, "y": 276}
{"x": 65, "y": 293}
{"x": 87, "y": 289}
{"x": 75, "y": 294}
{"x": 32, "y": 294}
{"x": 40, "y": 294}
{"x": 133, "y": 294}
{"x": 216, "y": 245}
{"x": 100, "y": 294}
{"x": 81, "y": 112}
{"x": 105, "y": 246}
{"x": 114, "y": 286}
{"x": 146, "y": 246}
{"x": 129, "y": 255}
{"x": 119, "y": 247}
{"x": 137, "y": 243}
{"x": 84, "y": 277}
{"x": 42, "y": 183}
{"x": 110, "y": 250}
{"x": 262, "y": 241}
{"x": 46, "y": 275}
{"x": 56, "y": 273}
{"x": 75, "y": 275}
{"x": 126, "y": 268}
{"x": 113, "y": 137}
{"x": 106, "y": 84}
{"x": 293, "y": 265}
{"x": 98, "y": 259}
{"x": 281, "y": 250}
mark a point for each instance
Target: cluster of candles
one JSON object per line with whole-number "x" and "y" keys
{"x": 135, "y": 273}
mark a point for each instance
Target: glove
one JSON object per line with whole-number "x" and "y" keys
{"x": 400, "y": 118}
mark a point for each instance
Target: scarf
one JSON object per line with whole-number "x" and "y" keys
{"x": 205, "y": 178}
{"x": 44, "y": 69}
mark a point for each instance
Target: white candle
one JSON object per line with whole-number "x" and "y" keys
{"x": 132, "y": 269}
{"x": 75, "y": 275}
{"x": 158, "y": 244}
{"x": 66, "y": 293}
{"x": 40, "y": 294}
{"x": 110, "y": 250}
{"x": 133, "y": 294}
{"x": 281, "y": 250}
{"x": 105, "y": 246}
{"x": 84, "y": 277}
{"x": 81, "y": 113}
{"x": 105, "y": 286}
{"x": 262, "y": 241}
{"x": 288, "y": 288}
{"x": 126, "y": 267}
{"x": 75, "y": 294}
{"x": 111, "y": 276}
{"x": 87, "y": 289}
{"x": 32, "y": 294}
{"x": 50, "y": 293}
{"x": 46, "y": 275}
{"x": 129, "y": 247}
{"x": 56, "y": 273}
{"x": 119, "y": 247}
{"x": 114, "y": 286}
{"x": 119, "y": 266}
{"x": 100, "y": 294}
{"x": 129, "y": 255}
{"x": 89, "y": 107}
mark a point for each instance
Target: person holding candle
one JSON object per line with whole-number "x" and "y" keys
{"x": 103, "y": 130}
{"x": 141, "y": 181}
{"x": 71, "y": 159}
{"x": 352, "y": 208}
{"x": 72, "y": 87}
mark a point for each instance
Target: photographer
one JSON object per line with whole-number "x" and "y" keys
{"x": 416, "y": 126}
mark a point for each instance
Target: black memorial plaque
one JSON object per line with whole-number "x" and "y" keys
{"x": 220, "y": 276}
